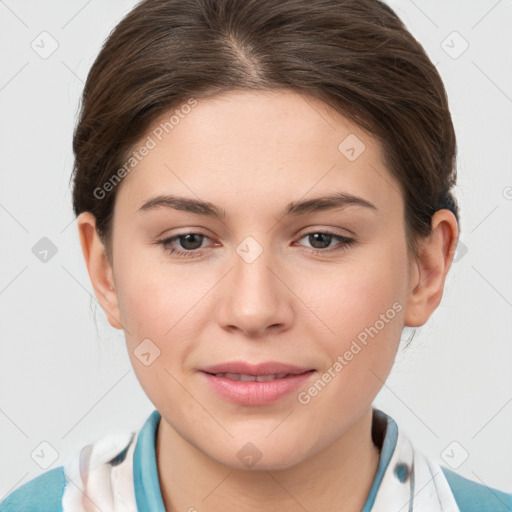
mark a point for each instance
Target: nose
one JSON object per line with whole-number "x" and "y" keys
{"x": 255, "y": 298}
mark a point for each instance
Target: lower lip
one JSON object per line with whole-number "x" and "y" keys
{"x": 256, "y": 393}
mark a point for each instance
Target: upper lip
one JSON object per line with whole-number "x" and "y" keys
{"x": 266, "y": 368}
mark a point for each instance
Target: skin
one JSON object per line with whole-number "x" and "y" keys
{"x": 252, "y": 153}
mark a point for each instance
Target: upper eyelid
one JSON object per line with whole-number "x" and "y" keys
{"x": 331, "y": 231}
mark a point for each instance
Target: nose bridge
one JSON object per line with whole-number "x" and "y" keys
{"x": 252, "y": 276}
{"x": 254, "y": 298}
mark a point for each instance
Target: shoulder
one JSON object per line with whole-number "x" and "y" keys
{"x": 475, "y": 497}
{"x": 102, "y": 470}
{"x": 43, "y": 493}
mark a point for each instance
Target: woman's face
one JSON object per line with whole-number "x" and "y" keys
{"x": 266, "y": 281}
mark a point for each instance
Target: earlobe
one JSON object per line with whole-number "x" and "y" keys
{"x": 99, "y": 268}
{"x": 435, "y": 256}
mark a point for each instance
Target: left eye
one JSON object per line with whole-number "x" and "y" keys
{"x": 322, "y": 237}
{"x": 191, "y": 242}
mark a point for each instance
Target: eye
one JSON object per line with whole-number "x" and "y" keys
{"x": 321, "y": 240}
{"x": 191, "y": 242}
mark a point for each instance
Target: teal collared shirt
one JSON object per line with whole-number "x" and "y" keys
{"x": 44, "y": 493}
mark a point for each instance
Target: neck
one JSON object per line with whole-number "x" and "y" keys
{"x": 338, "y": 478}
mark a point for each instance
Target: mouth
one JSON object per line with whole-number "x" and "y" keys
{"x": 255, "y": 384}
{"x": 244, "y": 377}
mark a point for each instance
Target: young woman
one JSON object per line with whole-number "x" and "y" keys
{"x": 263, "y": 192}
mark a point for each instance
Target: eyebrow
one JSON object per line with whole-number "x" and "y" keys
{"x": 295, "y": 208}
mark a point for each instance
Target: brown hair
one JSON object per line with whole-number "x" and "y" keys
{"x": 355, "y": 55}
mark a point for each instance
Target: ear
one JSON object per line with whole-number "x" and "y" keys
{"x": 429, "y": 270}
{"x": 99, "y": 268}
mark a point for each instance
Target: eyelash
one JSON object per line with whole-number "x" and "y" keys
{"x": 345, "y": 243}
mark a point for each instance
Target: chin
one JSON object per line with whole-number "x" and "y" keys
{"x": 261, "y": 456}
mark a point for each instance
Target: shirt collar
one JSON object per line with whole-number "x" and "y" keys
{"x": 145, "y": 473}
{"x": 383, "y": 427}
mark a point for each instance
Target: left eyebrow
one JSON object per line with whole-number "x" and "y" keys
{"x": 295, "y": 208}
{"x": 329, "y": 202}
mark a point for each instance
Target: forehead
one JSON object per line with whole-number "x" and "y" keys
{"x": 257, "y": 146}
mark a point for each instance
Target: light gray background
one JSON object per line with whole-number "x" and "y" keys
{"x": 66, "y": 382}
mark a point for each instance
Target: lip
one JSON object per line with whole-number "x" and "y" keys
{"x": 254, "y": 393}
{"x": 265, "y": 368}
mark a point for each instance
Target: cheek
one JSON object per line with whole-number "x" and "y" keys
{"x": 365, "y": 312}
{"x": 362, "y": 306}
{"x": 155, "y": 296}
{"x": 157, "y": 309}
{"x": 353, "y": 298}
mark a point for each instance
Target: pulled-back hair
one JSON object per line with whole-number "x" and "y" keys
{"x": 354, "y": 55}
